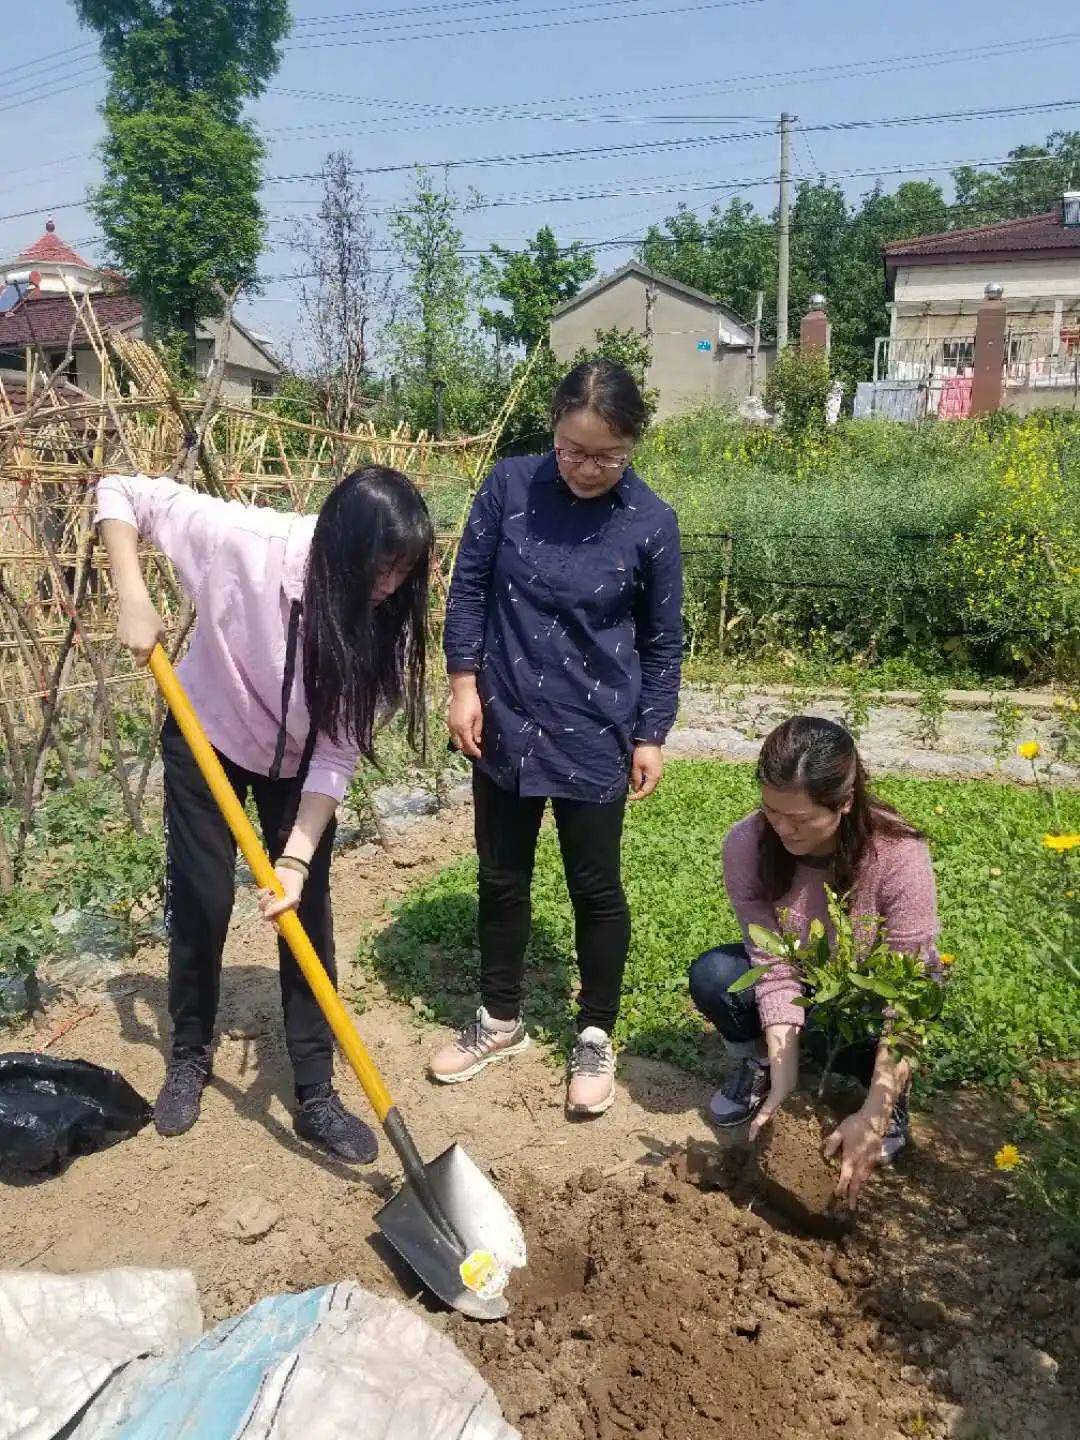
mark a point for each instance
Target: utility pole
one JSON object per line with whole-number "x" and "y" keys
{"x": 755, "y": 349}
{"x": 783, "y": 238}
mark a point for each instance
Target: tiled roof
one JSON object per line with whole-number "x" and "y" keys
{"x": 50, "y": 248}
{"x": 1034, "y": 233}
{"x": 47, "y": 320}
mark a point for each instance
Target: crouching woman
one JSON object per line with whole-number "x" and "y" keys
{"x": 817, "y": 826}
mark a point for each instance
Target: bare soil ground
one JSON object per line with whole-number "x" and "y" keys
{"x": 661, "y": 1301}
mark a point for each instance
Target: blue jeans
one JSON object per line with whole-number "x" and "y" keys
{"x": 736, "y": 1016}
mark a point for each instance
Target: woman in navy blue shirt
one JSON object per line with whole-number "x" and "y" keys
{"x": 563, "y": 642}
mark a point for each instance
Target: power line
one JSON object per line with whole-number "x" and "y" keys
{"x": 31, "y": 64}
{"x": 805, "y": 75}
{"x": 688, "y": 142}
{"x": 397, "y": 39}
{"x": 16, "y": 103}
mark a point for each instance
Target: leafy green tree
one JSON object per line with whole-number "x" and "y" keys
{"x": 533, "y": 283}
{"x": 435, "y": 347}
{"x": 179, "y": 203}
{"x": 179, "y": 206}
{"x": 1031, "y": 182}
{"x": 731, "y": 256}
{"x": 226, "y": 50}
{"x": 835, "y": 248}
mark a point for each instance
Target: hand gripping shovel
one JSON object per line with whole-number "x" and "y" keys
{"x": 447, "y": 1219}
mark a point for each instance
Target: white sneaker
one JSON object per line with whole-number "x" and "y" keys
{"x": 477, "y": 1045}
{"x": 591, "y": 1090}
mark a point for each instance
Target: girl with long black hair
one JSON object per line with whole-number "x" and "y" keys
{"x": 310, "y": 628}
{"x": 819, "y": 824}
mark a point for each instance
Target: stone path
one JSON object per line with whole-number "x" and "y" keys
{"x": 731, "y": 725}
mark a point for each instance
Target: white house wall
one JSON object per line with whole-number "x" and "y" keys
{"x": 1029, "y": 279}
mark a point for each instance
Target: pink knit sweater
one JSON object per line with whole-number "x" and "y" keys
{"x": 894, "y": 887}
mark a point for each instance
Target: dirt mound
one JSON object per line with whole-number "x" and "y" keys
{"x": 653, "y": 1309}
{"x": 792, "y": 1172}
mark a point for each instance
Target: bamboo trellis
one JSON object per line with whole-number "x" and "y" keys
{"x": 66, "y": 689}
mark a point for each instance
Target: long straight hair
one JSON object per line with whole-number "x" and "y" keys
{"x": 362, "y": 660}
{"x": 820, "y": 757}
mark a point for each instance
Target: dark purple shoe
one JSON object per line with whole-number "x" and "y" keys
{"x": 322, "y": 1119}
{"x": 178, "y": 1101}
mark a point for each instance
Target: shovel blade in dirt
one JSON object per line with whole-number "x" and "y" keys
{"x": 448, "y": 1220}
{"x": 468, "y": 1267}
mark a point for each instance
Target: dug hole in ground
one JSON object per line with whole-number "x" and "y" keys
{"x": 664, "y": 1298}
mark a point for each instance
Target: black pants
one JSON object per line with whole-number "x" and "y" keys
{"x": 590, "y": 838}
{"x": 736, "y": 1016}
{"x": 200, "y": 887}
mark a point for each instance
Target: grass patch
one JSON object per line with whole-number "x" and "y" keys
{"x": 1007, "y": 1003}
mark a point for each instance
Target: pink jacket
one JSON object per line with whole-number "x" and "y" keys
{"x": 894, "y": 886}
{"x": 243, "y": 566}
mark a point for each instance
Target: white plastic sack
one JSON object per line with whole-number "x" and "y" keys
{"x": 332, "y": 1364}
{"x": 63, "y": 1337}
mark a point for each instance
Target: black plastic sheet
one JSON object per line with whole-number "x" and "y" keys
{"x": 52, "y": 1110}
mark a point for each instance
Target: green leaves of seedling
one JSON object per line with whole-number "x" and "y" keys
{"x": 857, "y": 986}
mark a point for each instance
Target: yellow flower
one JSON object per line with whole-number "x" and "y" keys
{"x": 1007, "y": 1158}
{"x": 1029, "y": 750}
{"x": 995, "y": 871}
{"x": 1061, "y": 843}
{"x": 946, "y": 957}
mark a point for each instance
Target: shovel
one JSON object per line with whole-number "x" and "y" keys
{"x": 447, "y": 1219}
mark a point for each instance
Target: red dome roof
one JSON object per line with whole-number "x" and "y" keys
{"x": 50, "y": 248}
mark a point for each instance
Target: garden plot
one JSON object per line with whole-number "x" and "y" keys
{"x": 661, "y": 1300}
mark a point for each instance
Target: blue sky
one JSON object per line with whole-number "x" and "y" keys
{"x": 574, "y": 76}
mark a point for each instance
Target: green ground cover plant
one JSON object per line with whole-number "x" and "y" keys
{"x": 1008, "y": 1005}
{"x": 82, "y": 854}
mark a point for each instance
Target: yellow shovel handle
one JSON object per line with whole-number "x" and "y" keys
{"x": 259, "y": 862}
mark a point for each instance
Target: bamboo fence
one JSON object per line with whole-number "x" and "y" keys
{"x": 70, "y": 700}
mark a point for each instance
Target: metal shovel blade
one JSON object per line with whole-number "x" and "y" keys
{"x": 470, "y": 1277}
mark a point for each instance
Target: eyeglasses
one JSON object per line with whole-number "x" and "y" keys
{"x": 568, "y": 455}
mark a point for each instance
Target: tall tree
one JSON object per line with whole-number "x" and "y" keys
{"x": 444, "y": 369}
{"x": 342, "y": 292}
{"x": 224, "y": 49}
{"x": 179, "y": 203}
{"x": 532, "y": 282}
{"x": 731, "y": 255}
{"x": 1030, "y": 182}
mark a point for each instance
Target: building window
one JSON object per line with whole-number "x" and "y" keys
{"x": 261, "y": 388}
{"x": 56, "y": 362}
{"x": 958, "y": 356}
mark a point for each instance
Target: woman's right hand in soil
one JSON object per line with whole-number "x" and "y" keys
{"x": 783, "y": 1046}
{"x": 465, "y": 718}
{"x": 139, "y": 627}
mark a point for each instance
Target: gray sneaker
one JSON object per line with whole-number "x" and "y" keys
{"x": 742, "y": 1094}
{"x": 177, "y": 1106}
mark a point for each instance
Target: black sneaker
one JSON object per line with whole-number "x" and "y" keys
{"x": 323, "y": 1119}
{"x": 742, "y": 1096}
{"x": 177, "y": 1106}
{"x": 898, "y": 1133}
